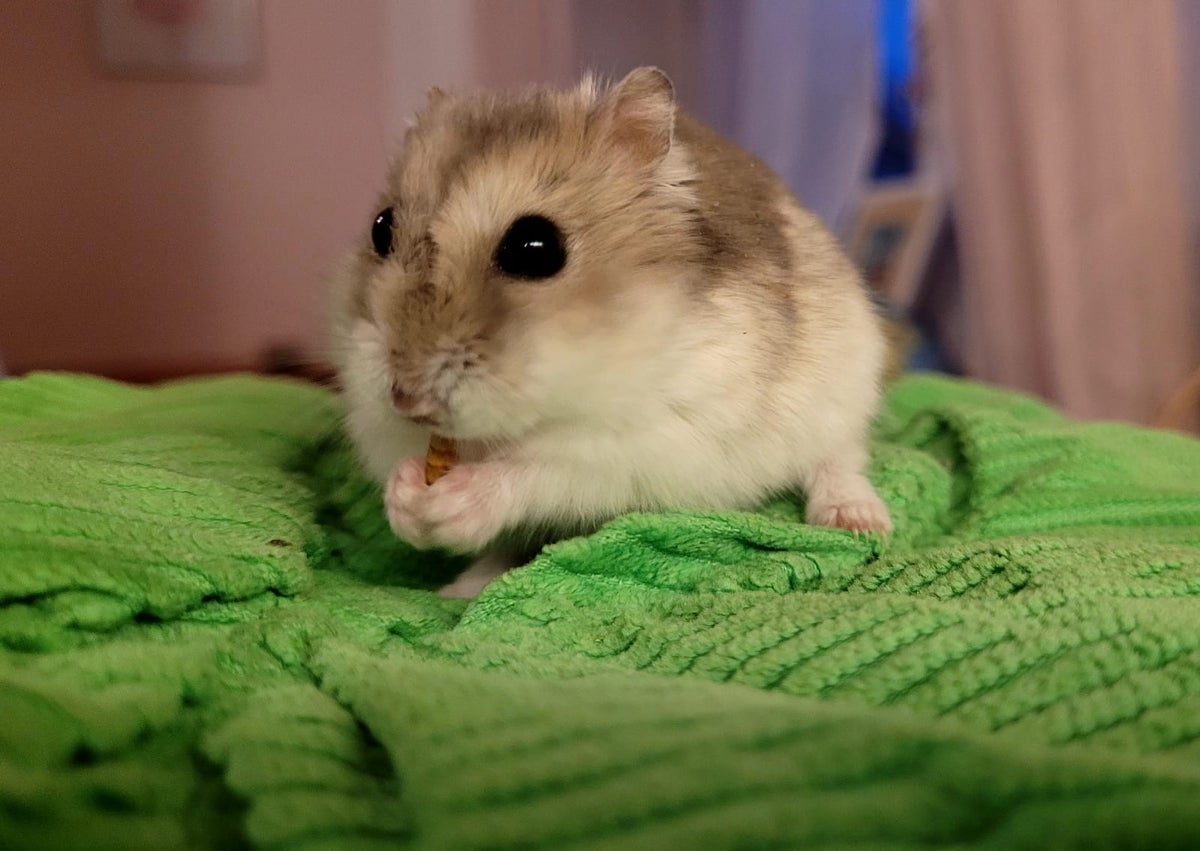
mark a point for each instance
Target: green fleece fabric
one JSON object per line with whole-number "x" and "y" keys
{"x": 209, "y": 639}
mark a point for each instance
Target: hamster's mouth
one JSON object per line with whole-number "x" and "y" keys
{"x": 429, "y": 420}
{"x": 440, "y": 422}
{"x": 417, "y": 407}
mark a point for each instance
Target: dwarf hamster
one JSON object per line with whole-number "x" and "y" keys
{"x": 610, "y": 309}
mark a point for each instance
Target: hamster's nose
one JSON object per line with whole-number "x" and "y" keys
{"x": 417, "y": 407}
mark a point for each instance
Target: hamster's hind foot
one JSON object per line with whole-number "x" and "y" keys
{"x": 844, "y": 499}
{"x": 471, "y": 582}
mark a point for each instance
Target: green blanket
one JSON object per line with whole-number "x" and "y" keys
{"x": 209, "y": 638}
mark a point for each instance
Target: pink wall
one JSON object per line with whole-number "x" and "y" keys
{"x": 156, "y": 228}
{"x": 153, "y": 227}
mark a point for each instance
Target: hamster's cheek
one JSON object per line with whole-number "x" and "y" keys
{"x": 382, "y": 437}
{"x": 502, "y": 414}
{"x": 491, "y": 407}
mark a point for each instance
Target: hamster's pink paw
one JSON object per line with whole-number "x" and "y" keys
{"x": 404, "y": 499}
{"x": 469, "y": 583}
{"x": 843, "y": 498}
{"x": 861, "y": 514}
{"x": 462, "y": 512}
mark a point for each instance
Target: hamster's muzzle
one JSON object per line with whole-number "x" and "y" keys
{"x": 420, "y": 407}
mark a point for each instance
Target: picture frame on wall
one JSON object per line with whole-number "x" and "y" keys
{"x": 894, "y": 234}
{"x": 206, "y": 40}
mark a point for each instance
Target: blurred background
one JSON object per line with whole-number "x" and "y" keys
{"x": 1020, "y": 177}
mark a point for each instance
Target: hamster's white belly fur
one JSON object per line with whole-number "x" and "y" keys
{"x": 715, "y": 442}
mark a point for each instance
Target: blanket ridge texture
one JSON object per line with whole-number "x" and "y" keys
{"x": 210, "y": 639}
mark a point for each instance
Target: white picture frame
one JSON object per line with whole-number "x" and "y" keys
{"x": 211, "y": 40}
{"x": 893, "y": 236}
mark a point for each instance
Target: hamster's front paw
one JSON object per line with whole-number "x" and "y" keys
{"x": 404, "y": 498}
{"x": 461, "y": 512}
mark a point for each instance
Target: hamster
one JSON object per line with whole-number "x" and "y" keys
{"x": 610, "y": 309}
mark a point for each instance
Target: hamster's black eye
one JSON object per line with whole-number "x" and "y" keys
{"x": 381, "y": 232}
{"x": 532, "y": 248}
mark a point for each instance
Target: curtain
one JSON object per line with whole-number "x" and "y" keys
{"x": 797, "y": 82}
{"x": 794, "y": 81}
{"x": 1065, "y": 126}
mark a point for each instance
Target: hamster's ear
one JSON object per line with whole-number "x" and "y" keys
{"x": 639, "y": 114}
{"x": 435, "y": 96}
